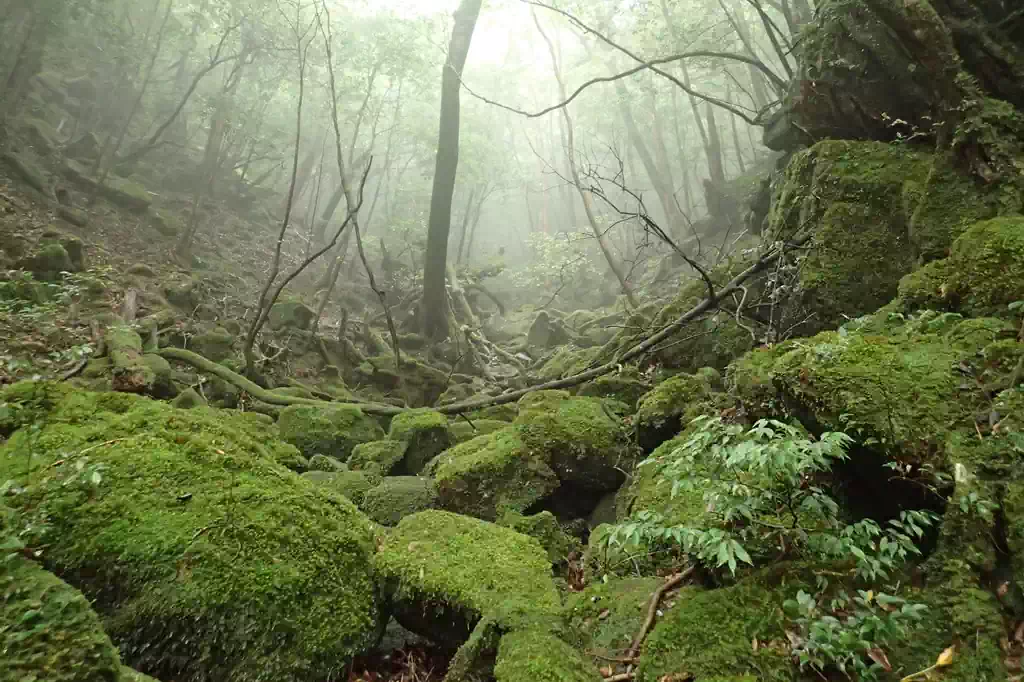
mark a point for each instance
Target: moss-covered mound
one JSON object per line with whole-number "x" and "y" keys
{"x": 581, "y": 439}
{"x": 606, "y": 616}
{"x": 49, "y": 630}
{"x": 397, "y": 497}
{"x": 426, "y": 434}
{"x": 545, "y": 529}
{"x": 444, "y": 571}
{"x": 329, "y": 430}
{"x": 207, "y": 558}
{"x": 709, "y": 634}
{"x": 625, "y": 387}
{"x": 463, "y": 430}
{"x": 490, "y": 474}
{"x": 351, "y": 484}
{"x": 382, "y": 456}
{"x": 414, "y": 383}
{"x": 983, "y": 274}
{"x": 536, "y": 655}
{"x": 671, "y": 405}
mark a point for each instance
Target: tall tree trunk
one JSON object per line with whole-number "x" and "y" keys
{"x": 465, "y": 225}
{"x": 435, "y": 303}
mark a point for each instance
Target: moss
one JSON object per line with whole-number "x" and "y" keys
{"x": 131, "y": 373}
{"x": 580, "y": 438}
{"x": 50, "y": 630}
{"x": 207, "y": 559}
{"x": 397, "y": 497}
{"x": 427, "y": 434}
{"x": 606, "y": 616}
{"x": 48, "y": 262}
{"x": 382, "y": 456}
{"x": 330, "y": 430}
{"x": 214, "y": 345}
{"x": 325, "y": 463}
{"x": 287, "y": 314}
{"x": 540, "y": 656}
{"x": 414, "y": 383}
{"x": 983, "y": 274}
{"x": 683, "y": 642}
{"x": 463, "y": 430}
{"x": 489, "y": 474}
{"x": 568, "y": 361}
{"x": 505, "y": 413}
{"x": 663, "y": 411}
{"x": 188, "y": 399}
{"x": 544, "y": 527}
{"x": 445, "y": 571}
{"x": 628, "y": 389}
{"x": 353, "y": 485}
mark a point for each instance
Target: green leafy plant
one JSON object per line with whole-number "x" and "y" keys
{"x": 846, "y": 633}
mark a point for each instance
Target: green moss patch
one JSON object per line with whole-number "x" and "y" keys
{"x": 665, "y": 410}
{"x": 545, "y": 529}
{"x": 206, "y": 558}
{"x": 50, "y": 631}
{"x": 463, "y": 430}
{"x": 490, "y": 474}
{"x": 397, "y": 497}
{"x": 539, "y": 656}
{"x": 606, "y": 616}
{"x": 382, "y": 456}
{"x": 427, "y": 435}
{"x": 444, "y": 571}
{"x": 329, "y": 430}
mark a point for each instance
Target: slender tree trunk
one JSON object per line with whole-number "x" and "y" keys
{"x": 467, "y": 214}
{"x": 435, "y": 303}
{"x": 736, "y": 143}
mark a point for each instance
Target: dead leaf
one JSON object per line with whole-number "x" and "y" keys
{"x": 604, "y": 614}
{"x": 946, "y": 657}
{"x": 1012, "y": 664}
{"x": 879, "y": 657}
{"x": 755, "y": 645}
{"x": 1003, "y": 589}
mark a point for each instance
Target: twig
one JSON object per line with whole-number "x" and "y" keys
{"x": 621, "y": 677}
{"x": 82, "y": 452}
{"x": 76, "y": 370}
{"x": 652, "y": 610}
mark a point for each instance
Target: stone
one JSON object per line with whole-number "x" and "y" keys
{"x": 399, "y": 496}
{"x": 426, "y": 434}
{"x": 329, "y": 430}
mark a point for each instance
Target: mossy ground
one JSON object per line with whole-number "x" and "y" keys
{"x": 606, "y": 616}
{"x": 207, "y": 559}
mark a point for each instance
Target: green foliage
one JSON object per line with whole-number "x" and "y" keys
{"x": 760, "y": 487}
{"x": 870, "y": 622}
{"x": 562, "y": 263}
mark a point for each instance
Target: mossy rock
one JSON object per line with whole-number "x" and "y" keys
{"x": 414, "y": 383}
{"x": 290, "y": 315}
{"x": 445, "y": 571}
{"x": 545, "y": 528}
{"x": 490, "y": 474}
{"x": 463, "y": 430}
{"x": 183, "y": 292}
{"x": 606, "y": 616}
{"x": 131, "y": 372}
{"x": 48, "y": 262}
{"x": 581, "y": 439}
{"x": 709, "y": 634}
{"x": 983, "y": 274}
{"x": 163, "y": 386}
{"x": 625, "y": 388}
{"x": 672, "y": 404}
{"x": 329, "y": 430}
{"x": 568, "y": 361}
{"x": 353, "y": 485}
{"x": 325, "y": 463}
{"x": 184, "y": 528}
{"x": 216, "y": 345}
{"x": 426, "y": 434}
{"x": 189, "y": 399}
{"x": 27, "y": 171}
{"x": 399, "y": 496}
{"x": 117, "y": 190}
{"x": 382, "y": 456}
{"x": 537, "y": 655}
{"x": 74, "y": 247}
{"x": 50, "y": 631}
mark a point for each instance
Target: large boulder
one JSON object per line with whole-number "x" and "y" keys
{"x": 581, "y": 439}
{"x": 383, "y": 456}
{"x": 664, "y": 411}
{"x": 397, "y": 497}
{"x": 288, "y": 314}
{"x": 206, "y": 558}
{"x": 490, "y": 474}
{"x": 329, "y": 430}
{"x": 444, "y": 572}
{"x": 426, "y": 435}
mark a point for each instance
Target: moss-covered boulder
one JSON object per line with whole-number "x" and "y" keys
{"x": 623, "y": 387}
{"x": 216, "y": 344}
{"x": 130, "y": 371}
{"x": 606, "y": 616}
{"x": 48, "y": 262}
{"x": 289, "y": 314}
{"x": 188, "y": 399}
{"x": 325, "y": 463}
{"x": 545, "y": 529}
{"x": 50, "y": 631}
{"x": 538, "y": 655}
{"x": 490, "y": 474}
{"x": 463, "y": 430}
{"x": 329, "y": 430}
{"x": 445, "y": 571}
{"x": 206, "y": 558}
{"x": 581, "y": 439}
{"x": 710, "y": 634}
{"x": 426, "y": 435}
{"x": 664, "y": 411}
{"x": 982, "y": 275}
{"x": 351, "y": 484}
{"x": 382, "y": 456}
{"x": 414, "y": 383}
{"x": 397, "y": 497}
{"x": 568, "y": 361}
